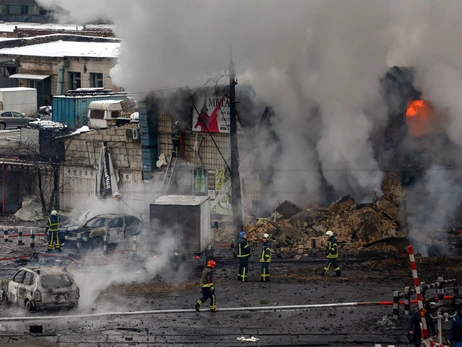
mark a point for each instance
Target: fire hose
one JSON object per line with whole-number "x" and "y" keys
{"x": 225, "y": 309}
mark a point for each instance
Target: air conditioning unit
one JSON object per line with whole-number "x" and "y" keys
{"x": 132, "y": 134}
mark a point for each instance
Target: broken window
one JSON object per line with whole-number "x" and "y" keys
{"x": 95, "y": 223}
{"x": 96, "y": 80}
{"x": 114, "y": 114}
{"x": 56, "y": 281}
{"x": 24, "y": 9}
{"x": 131, "y": 221}
{"x": 116, "y": 223}
{"x": 18, "y": 277}
{"x": 27, "y": 279}
{"x": 74, "y": 80}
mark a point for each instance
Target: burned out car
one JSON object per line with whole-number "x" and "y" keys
{"x": 41, "y": 288}
{"x": 117, "y": 228}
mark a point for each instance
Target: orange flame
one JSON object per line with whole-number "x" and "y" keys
{"x": 419, "y": 117}
{"x": 418, "y": 108}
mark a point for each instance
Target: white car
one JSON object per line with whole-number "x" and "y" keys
{"x": 40, "y": 288}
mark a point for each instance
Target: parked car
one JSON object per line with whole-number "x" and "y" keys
{"x": 45, "y": 113}
{"x": 11, "y": 119}
{"x": 117, "y": 227}
{"x": 41, "y": 288}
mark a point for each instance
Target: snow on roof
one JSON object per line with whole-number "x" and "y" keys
{"x": 67, "y": 49}
{"x": 9, "y": 27}
{"x": 186, "y": 200}
{"x": 16, "y": 89}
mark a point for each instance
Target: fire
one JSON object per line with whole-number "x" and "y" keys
{"x": 419, "y": 108}
{"x": 419, "y": 117}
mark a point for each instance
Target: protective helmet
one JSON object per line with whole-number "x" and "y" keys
{"x": 177, "y": 122}
{"x": 211, "y": 263}
{"x": 242, "y": 234}
{"x": 265, "y": 236}
{"x": 329, "y": 233}
{"x": 54, "y": 213}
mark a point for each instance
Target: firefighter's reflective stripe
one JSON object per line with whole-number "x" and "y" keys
{"x": 266, "y": 253}
{"x": 53, "y": 226}
{"x": 54, "y": 236}
{"x": 243, "y": 252}
{"x": 332, "y": 250}
{"x": 207, "y": 285}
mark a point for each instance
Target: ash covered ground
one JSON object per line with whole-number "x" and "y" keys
{"x": 129, "y": 286}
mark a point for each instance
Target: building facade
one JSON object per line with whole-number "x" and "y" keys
{"x": 58, "y": 63}
{"x": 24, "y": 11}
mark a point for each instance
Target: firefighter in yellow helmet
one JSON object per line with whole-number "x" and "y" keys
{"x": 332, "y": 255}
{"x": 207, "y": 287}
{"x": 52, "y": 228}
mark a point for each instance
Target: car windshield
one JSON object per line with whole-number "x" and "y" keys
{"x": 56, "y": 281}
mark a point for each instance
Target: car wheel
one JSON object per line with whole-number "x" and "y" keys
{"x": 2, "y": 126}
{"x": 29, "y": 306}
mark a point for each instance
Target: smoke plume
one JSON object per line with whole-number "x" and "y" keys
{"x": 317, "y": 63}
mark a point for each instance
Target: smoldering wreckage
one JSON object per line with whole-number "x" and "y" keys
{"x": 384, "y": 226}
{"x": 364, "y": 229}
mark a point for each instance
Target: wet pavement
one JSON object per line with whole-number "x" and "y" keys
{"x": 121, "y": 283}
{"x": 292, "y": 284}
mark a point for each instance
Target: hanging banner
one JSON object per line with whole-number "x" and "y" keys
{"x": 214, "y": 114}
{"x": 106, "y": 181}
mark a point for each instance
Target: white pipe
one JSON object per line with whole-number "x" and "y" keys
{"x": 225, "y": 309}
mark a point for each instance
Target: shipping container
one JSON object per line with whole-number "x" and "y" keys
{"x": 19, "y": 99}
{"x": 73, "y": 110}
{"x": 185, "y": 219}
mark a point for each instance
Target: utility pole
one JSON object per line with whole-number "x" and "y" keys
{"x": 235, "y": 176}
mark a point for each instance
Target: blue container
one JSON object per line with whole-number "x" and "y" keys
{"x": 73, "y": 110}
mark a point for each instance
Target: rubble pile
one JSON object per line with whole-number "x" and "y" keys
{"x": 356, "y": 226}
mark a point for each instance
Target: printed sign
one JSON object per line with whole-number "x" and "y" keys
{"x": 222, "y": 202}
{"x": 214, "y": 114}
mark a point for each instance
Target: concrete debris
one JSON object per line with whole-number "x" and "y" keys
{"x": 31, "y": 209}
{"x": 355, "y": 225}
{"x": 249, "y": 339}
{"x": 386, "y": 321}
{"x": 287, "y": 209}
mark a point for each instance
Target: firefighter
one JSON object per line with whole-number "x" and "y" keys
{"x": 331, "y": 254}
{"x": 176, "y": 135}
{"x": 207, "y": 287}
{"x": 52, "y": 228}
{"x": 243, "y": 254}
{"x": 265, "y": 259}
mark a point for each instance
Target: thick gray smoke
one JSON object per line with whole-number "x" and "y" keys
{"x": 300, "y": 56}
{"x": 317, "y": 63}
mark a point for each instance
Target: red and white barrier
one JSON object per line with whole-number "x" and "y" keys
{"x": 418, "y": 293}
{"x": 426, "y": 340}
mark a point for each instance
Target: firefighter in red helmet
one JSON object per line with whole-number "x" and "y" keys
{"x": 207, "y": 287}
